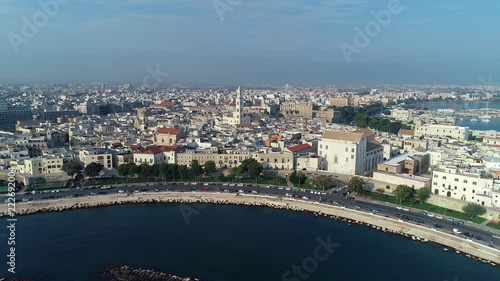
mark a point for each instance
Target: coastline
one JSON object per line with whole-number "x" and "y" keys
{"x": 390, "y": 225}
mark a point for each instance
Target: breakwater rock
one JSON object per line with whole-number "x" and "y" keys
{"x": 126, "y": 273}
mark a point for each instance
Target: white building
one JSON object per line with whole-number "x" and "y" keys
{"x": 237, "y": 117}
{"x": 349, "y": 153}
{"x": 442, "y": 131}
{"x": 467, "y": 186}
{"x": 96, "y": 156}
{"x": 155, "y": 155}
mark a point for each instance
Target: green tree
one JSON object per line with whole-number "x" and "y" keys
{"x": 221, "y": 177}
{"x": 123, "y": 170}
{"x": 93, "y": 170}
{"x": 402, "y": 193}
{"x": 146, "y": 171}
{"x": 164, "y": 171}
{"x": 322, "y": 181}
{"x": 255, "y": 170}
{"x": 182, "y": 171}
{"x": 196, "y": 169}
{"x": 72, "y": 167}
{"x": 210, "y": 168}
{"x": 298, "y": 177}
{"x": 174, "y": 170}
{"x": 474, "y": 210}
{"x": 423, "y": 194}
{"x": 356, "y": 185}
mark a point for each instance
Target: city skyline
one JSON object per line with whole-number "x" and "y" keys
{"x": 248, "y": 42}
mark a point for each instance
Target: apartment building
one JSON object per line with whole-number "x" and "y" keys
{"x": 100, "y": 156}
{"x": 40, "y": 166}
{"x": 411, "y": 163}
{"x": 442, "y": 131}
{"x": 339, "y": 101}
{"x": 167, "y": 136}
{"x": 156, "y": 155}
{"x": 349, "y": 153}
{"x": 466, "y": 185}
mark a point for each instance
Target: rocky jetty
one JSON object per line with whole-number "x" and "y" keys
{"x": 126, "y": 273}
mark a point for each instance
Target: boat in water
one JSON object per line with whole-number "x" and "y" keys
{"x": 473, "y": 120}
{"x": 485, "y": 118}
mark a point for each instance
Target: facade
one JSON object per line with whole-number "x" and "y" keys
{"x": 302, "y": 109}
{"x": 339, "y": 101}
{"x": 237, "y": 117}
{"x": 467, "y": 186}
{"x": 412, "y": 163}
{"x": 167, "y": 136}
{"x": 349, "y": 152}
{"x": 40, "y": 166}
{"x": 96, "y": 156}
{"x": 442, "y": 131}
{"x": 9, "y": 115}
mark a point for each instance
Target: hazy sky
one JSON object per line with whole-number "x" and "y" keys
{"x": 251, "y": 42}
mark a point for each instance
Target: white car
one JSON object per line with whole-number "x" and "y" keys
{"x": 406, "y": 209}
{"x": 305, "y": 197}
{"x": 240, "y": 184}
{"x": 288, "y": 188}
{"x": 121, "y": 191}
{"x": 457, "y": 231}
{"x": 430, "y": 215}
{"x": 439, "y": 217}
{"x": 205, "y": 184}
{"x": 288, "y": 195}
{"x": 399, "y": 208}
{"x": 255, "y": 191}
{"x": 105, "y": 187}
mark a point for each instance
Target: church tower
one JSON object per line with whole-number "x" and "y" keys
{"x": 238, "y": 115}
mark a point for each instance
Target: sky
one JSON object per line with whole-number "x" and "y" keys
{"x": 250, "y": 42}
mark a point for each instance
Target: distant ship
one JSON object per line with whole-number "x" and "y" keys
{"x": 485, "y": 118}
{"x": 473, "y": 120}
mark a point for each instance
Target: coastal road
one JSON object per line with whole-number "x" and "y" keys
{"x": 444, "y": 224}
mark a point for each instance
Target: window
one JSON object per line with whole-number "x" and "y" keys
{"x": 346, "y": 159}
{"x": 444, "y": 177}
{"x": 456, "y": 179}
{"x": 435, "y": 176}
{"x": 320, "y": 146}
{"x": 464, "y": 189}
{"x": 465, "y": 181}
{"x": 346, "y": 149}
{"x": 335, "y": 159}
{"x": 474, "y": 183}
{"x": 352, "y": 150}
{"x": 352, "y": 156}
{"x": 326, "y": 146}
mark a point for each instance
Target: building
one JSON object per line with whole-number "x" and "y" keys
{"x": 41, "y": 166}
{"x": 156, "y": 155}
{"x": 9, "y": 115}
{"x": 99, "y": 156}
{"x": 349, "y": 153}
{"x": 237, "y": 117}
{"x": 411, "y": 163}
{"x": 301, "y": 109}
{"x": 466, "y": 185}
{"x": 339, "y": 101}
{"x": 167, "y": 136}
{"x": 442, "y": 131}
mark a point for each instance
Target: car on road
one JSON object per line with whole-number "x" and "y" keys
{"x": 240, "y": 185}
{"x": 478, "y": 238}
{"x": 93, "y": 193}
{"x": 205, "y": 184}
{"x": 241, "y": 191}
{"x": 121, "y": 191}
{"x": 335, "y": 202}
{"x": 157, "y": 190}
{"x": 406, "y": 209}
{"x": 376, "y": 211}
{"x": 437, "y": 225}
{"x": 305, "y": 197}
{"x": 398, "y": 215}
{"x": 194, "y": 183}
{"x": 419, "y": 221}
{"x": 496, "y": 236}
{"x": 468, "y": 234}
{"x": 430, "y": 215}
{"x": 457, "y": 231}
{"x": 357, "y": 207}
{"x": 399, "y": 207}
{"x": 255, "y": 191}
{"x": 288, "y": 195}
{"x": 450, "y": 219}
{"x": 458, "y": 222}
{"x": 106, "y": 187}
{"x": 439, "y": 217}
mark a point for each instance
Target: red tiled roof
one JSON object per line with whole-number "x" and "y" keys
{"x": 151, "y": 150}
{"x": 169, "y": 131}
{"x": 168, "y": 103}
{"x": 168, "y": 148}
{"x": 299, "y": 147}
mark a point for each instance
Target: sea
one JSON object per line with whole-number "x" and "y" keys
{"x": 494, "y": 124}
{"x": 224, "y": 243}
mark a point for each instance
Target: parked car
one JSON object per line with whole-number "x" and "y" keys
{"x": 437, "y": 225}
{"x": 457, "y": 231}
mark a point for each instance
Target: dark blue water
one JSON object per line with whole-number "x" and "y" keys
{"x": 225, "y": 243}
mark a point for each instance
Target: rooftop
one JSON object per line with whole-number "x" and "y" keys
{"x": 344, "y": 136}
